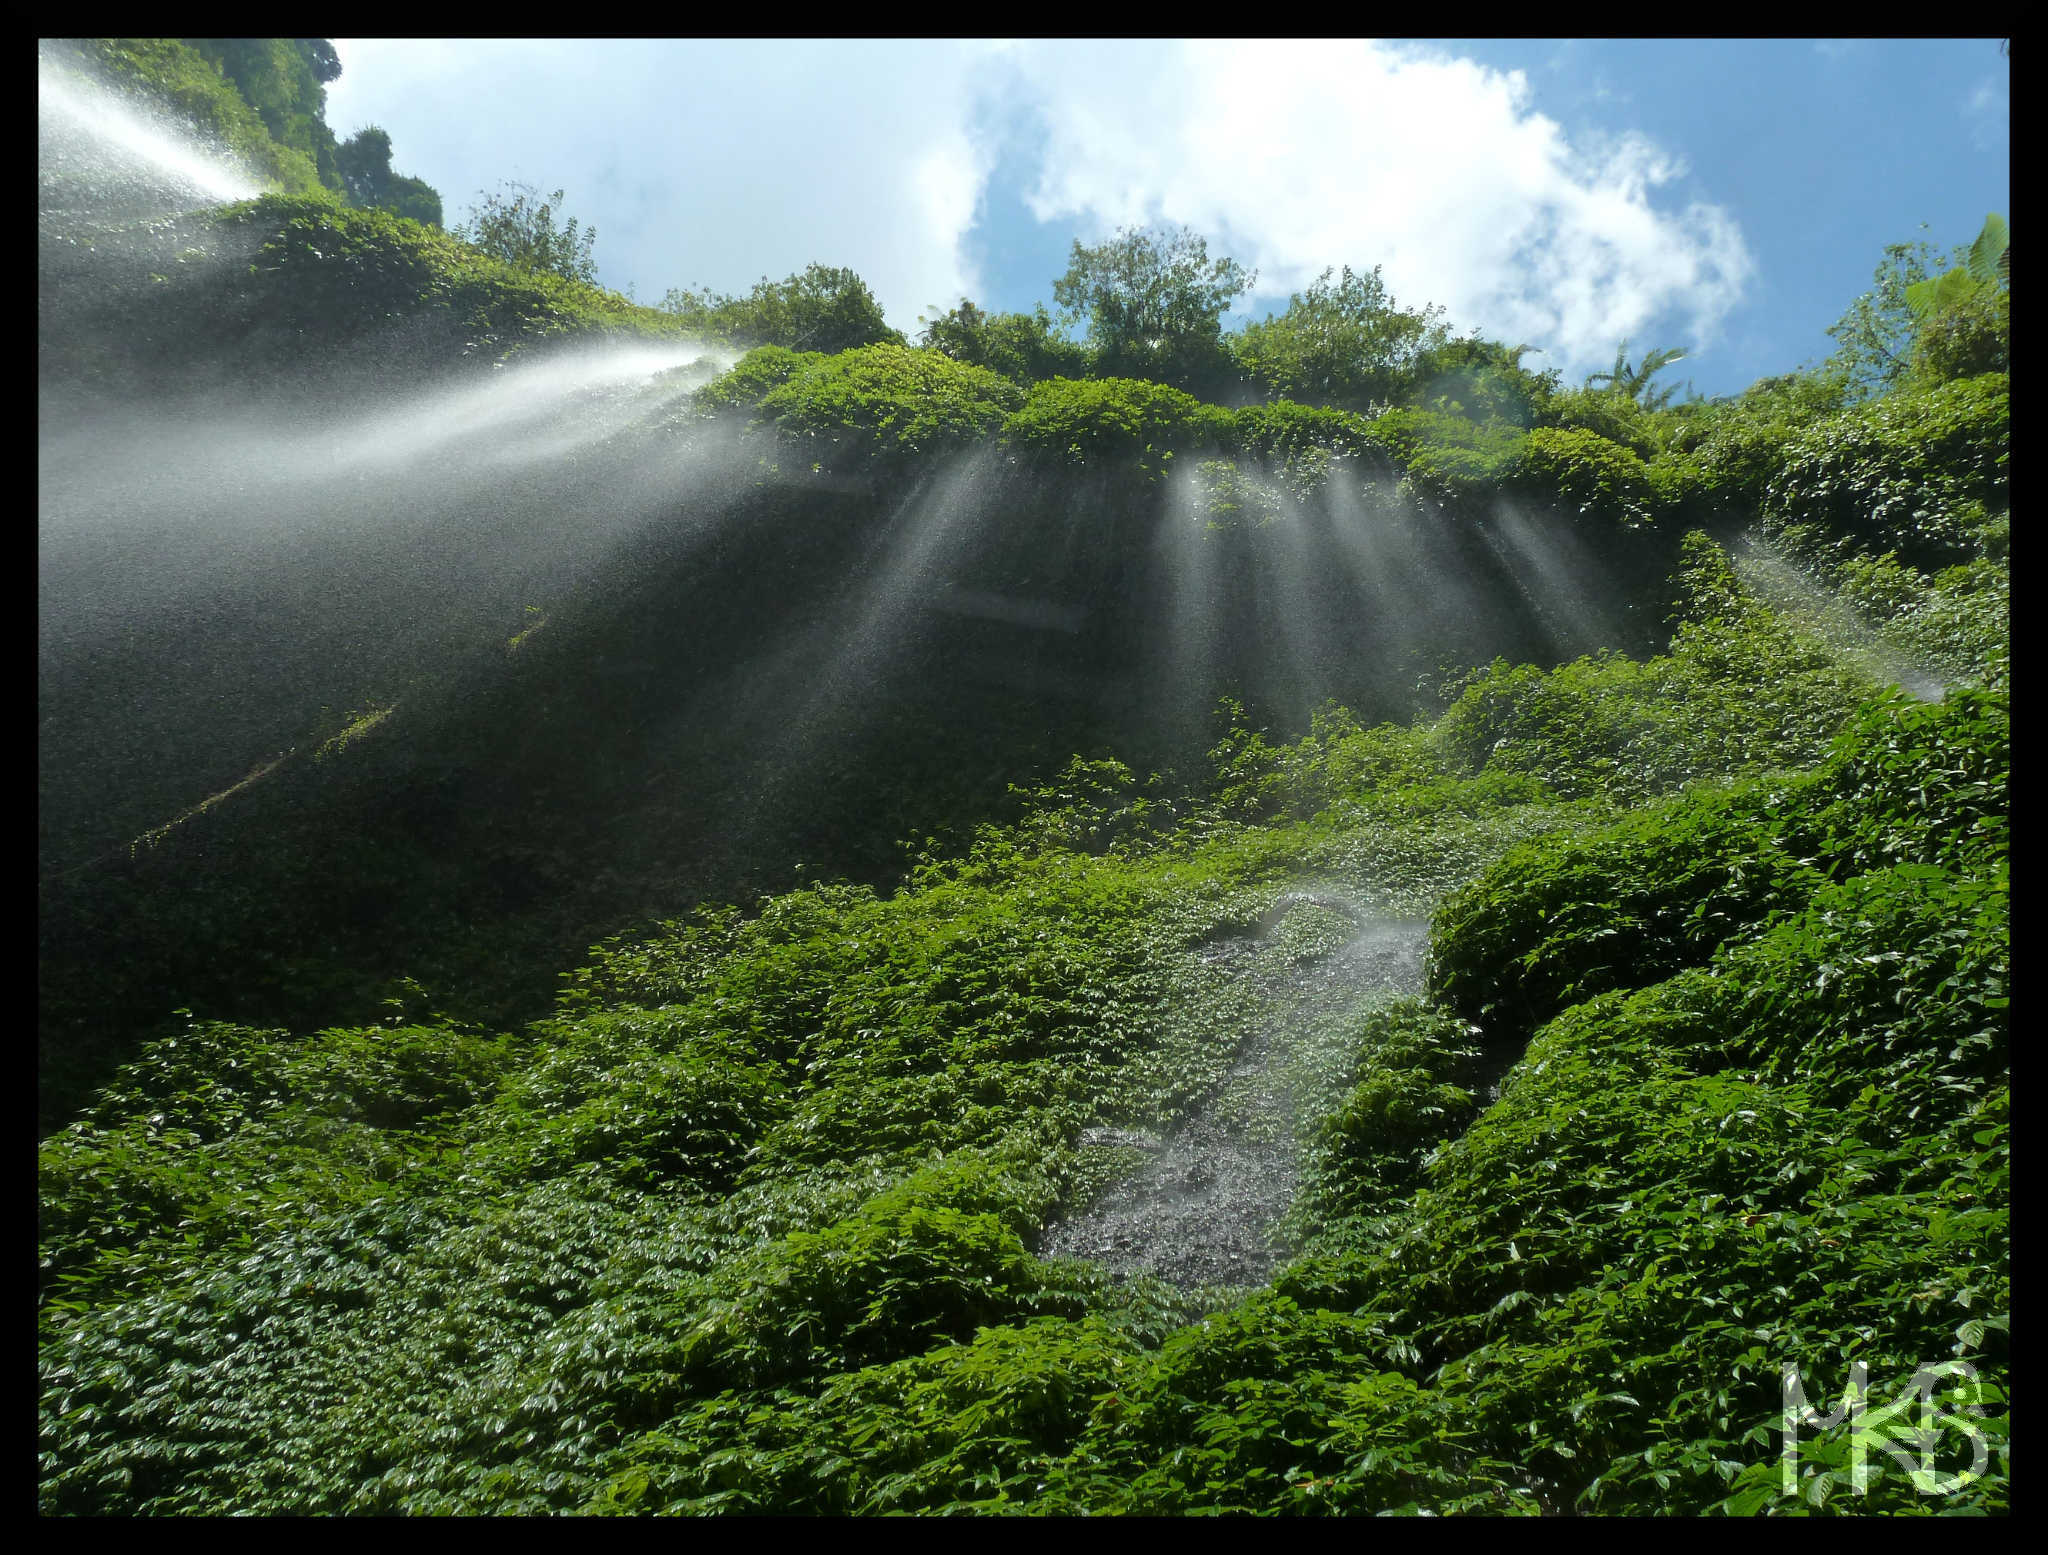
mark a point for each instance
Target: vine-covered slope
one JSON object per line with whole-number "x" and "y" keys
{"x": 1123, "y": 732}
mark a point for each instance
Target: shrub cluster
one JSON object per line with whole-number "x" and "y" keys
{"x": 1913, "y": 472}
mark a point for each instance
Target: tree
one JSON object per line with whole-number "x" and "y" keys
{"x": 1480, "y": 380}
{"x": 1023, "y": 347}
{"x": 1963, "y": 318}
{"x": 821, "y": 308}
{"x": 281, "y": 78}
{"x": 1874, "y": 338}
{"x": 1634, "y": 382}
{"x": 320, "y": 58}
{"x": 1989, "y": 264}
{"x": 363, "y": 162}
{"x": 1154, "y": 304}
{"x": 1342, "y": 343}
{"x": 521, "y": 232}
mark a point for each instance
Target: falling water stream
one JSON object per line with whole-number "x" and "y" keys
{"x": 1204, "y": 1198}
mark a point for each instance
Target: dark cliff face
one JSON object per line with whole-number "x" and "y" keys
{"x": 736, "y": 674}
{"x": 605, "y": 658}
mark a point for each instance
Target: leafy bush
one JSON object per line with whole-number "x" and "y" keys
{"x": 326, "y": 274}
{"x": 749, "y": 380}
{"x": 968, "y": 1427}
{"x": 1410, "y": 434}
{"x": 1410, "y": 1093}
{"x": 1962, "y": 626}
{"x": 1302, "y": 444}
{"x": 283, "y": 80}
{"x": 1913, "y": 472}
{"x": 1732, "y": 697}
{"x": 1553, "y": 923}
{"x": 220, "y": 1129}
{"x": 1232, "y": 1416}
{"x": 687, "y": 1116}
{"x": 1023, "y": 347}
{"x": 1967, "y": 339}
{"x": 821, "y": 308}
{"x": 1619, "y": 418}
{"x": 520, "y": 232}
{"x": 1095, "y": 807}
{"x": 1343, "y": 344}
{"x": 1110, "y": 421}
{"x": 1574, "y": 470}
{"x": 1738, "y": 446}
{"x": 1449, "y": 459}
{"x": 1920, "y": 783}
{"x": 1728, "y": 1120}
{"x": 1481, "y": 380}
{"x": 1285, "y": 432}
{"x": 888, "y": 400}
{"x": 931, "y": 1261}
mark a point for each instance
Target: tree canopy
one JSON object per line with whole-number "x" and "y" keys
{"x": 1154, "y": 303}
{"x": 521, "y": 231}
{"x": 821, "y": 308}
{"x": 1634, "y": 382}
{"x": 1026, "y": 347}
{"x": 363, "y": 162}
{"x": 283, "y": 80}
{"x": 1874, "y": 337}
{"x": 1341, "y": 342}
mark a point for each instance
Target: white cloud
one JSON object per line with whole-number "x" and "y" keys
{"x": 1296, "y": 156}
{"x": 716, "y": 163}
{"x": 1988, "y": 112}
{"x": 710, "y": 163}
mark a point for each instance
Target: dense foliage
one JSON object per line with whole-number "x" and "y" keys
{"x": 191, "y": 85}
{"x": 748, "y": 1223}
{"x": 1154, "y": 305}
{"x": 363, "y": 162}
{"x": 1341, "y": 343}
{"x": 520, "y": 231}
{"x": 265, "y": 101}
{"x": 1916, "y": 473}
{"x": 1023, "y": 347}
{"x": 890, "y": 399}
{"x": 821, "y": 308}
{"x": 756, "y": 1211}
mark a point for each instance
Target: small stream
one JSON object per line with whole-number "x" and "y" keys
{"x": 1201, "y": 1206}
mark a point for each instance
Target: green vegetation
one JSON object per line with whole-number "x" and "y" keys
{"x": 1633, "y": 383}
{"x": 821, "y": 308}
{"x": 1114, "y": 420}
{"x": 323, "y": 273}
{"x": 1917, "y": 472}
{"x": 192, "y": 86}
{"x": 1154, "y": 305}
{"x": 746, "y": 1225}
{"x": 1342, "y": 344}
{"x": 1023, "y": 347}
{"x": 889, "y": 399}
{"x": 265, "y": 101}
{"x": 1707, "y": 1075}
{"x": 363, "y": 162}
{"x": 285, "y": 81}
{"x": 521, "y": 233}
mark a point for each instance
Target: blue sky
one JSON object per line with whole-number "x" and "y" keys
{"x": 1729, "y": 196}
